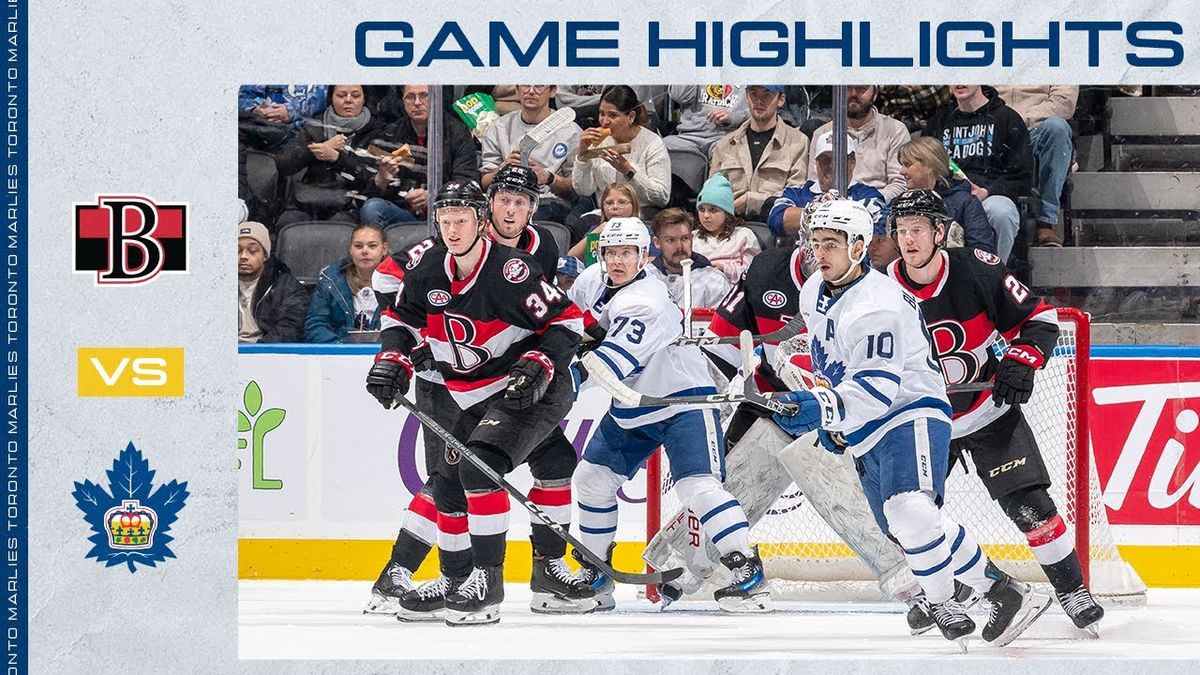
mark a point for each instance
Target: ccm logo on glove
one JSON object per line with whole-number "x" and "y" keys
{"x": 1026, "y": 355}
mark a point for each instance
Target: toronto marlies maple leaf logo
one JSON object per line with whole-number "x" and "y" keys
{"x": 129, "y": 520}
{"x": 827, "y": 374}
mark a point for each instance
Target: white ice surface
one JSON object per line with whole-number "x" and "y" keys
{"x": 323, "y": 620}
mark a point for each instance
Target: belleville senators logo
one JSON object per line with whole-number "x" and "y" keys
{"x": 129, "y": 239}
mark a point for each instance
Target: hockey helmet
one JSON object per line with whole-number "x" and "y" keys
{"x": 629, "y": 231}
{"x": 843, "y": 215}
{"x": 926, "y": 203}
{"x": 461, "y": 193}
{"x": 518, "y": 179}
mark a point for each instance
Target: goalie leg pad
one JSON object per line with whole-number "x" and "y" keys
{"x": 721, "y": 516}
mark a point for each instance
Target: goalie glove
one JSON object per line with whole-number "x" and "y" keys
{"x": 389, "y": 377}
{"x": 1014, "y": 375}
{"x": 529, "y": 378}
{"x": 807, "y": 417}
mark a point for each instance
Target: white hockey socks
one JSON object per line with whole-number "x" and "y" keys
{"x": 966, "y": 558}
{"x": 916, "y": 522}
{"x": 595, "y": 489}
{"x": 721, "y": 516}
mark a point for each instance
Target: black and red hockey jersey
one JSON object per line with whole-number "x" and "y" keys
{"x": 763, "y": 301}
{"x": 478, "y": 327}
{"x": 540, "y": 244}
{"x": 971, "y": 304}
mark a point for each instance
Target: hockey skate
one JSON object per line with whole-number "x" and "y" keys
{"x": 747, "y": 591}
{"x": 557, "y": 591}
{"x": 476, "y": 601}
{"x": 599, "y": 582}
{"x": 393, "y": 582}
{"x": 668, "y": 593}
{"x": 951, "y": 618}
{"x": 426, "y": 602}
{"x": 1083, "y": 610}
{"x": 920, "y": 617}
{"x": 1015, "y": 606}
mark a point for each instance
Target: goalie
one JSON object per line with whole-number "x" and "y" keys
{"x": 763, "y": 460}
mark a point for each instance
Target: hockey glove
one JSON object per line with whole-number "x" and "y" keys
{"x": 593, "y": 337}
{"x": 422, "y": 358}
{"x": 529, "y": 379}
{"x": 388, "y": 379}
{"x": 832, "y": 441}
{"x": 1014, "y": 376}
{"x": 807, "y": 418}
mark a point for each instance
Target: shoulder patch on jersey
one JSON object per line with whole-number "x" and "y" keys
{"x": 560, "y": 150}
{"x": 774, "y": 299}
{"x": 989, "y": 258}
{"x": 516, "y": 271}
{"x": 438, "y": 297}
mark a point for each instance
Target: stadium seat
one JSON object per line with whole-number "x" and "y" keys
{"x": 309, "y": 246}
{"x": 562, "y": 236}
{"x": 401, "y": 236}
{"x": 765, "y": 239}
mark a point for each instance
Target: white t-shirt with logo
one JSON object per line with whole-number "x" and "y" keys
{"x": 556, "y": 154}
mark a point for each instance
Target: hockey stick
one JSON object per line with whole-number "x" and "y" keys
{"x": 631, "y": 397}
{"x": 686, "y": 264}
{"x": 788, "y": 331}
{"x": 462, "y": 449}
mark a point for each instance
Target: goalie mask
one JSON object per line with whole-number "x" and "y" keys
{"x": 925, "y": 204}
{"x": 624, "y": 232}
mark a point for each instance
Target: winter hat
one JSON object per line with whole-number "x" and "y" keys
{"x": 257, "y": 232}
{"x": 717, "y": 192}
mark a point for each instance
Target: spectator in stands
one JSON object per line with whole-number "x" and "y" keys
{"x": 319, "y": 159}
{"x": 721, "y": 237}
{"x": 344, "y": 300}
{"x": 551, "y": 161}
{"x": 645, "y": 163}
{"x": 763, "y": 156}
{"x": 1045, "y": 111}
{"x": 925, "y": 165}
{"x": 673, "y": 237}
{"x": 912, "y": 104}
{"x": 619, "y": 200}
{"x": 288, "y": 104}
{"x": 405, "y": 197}
{"x": 585, "y": 99}
{"x": 706, "y": 114}
{"x": 787, "y": 214}
{"x": 271, "y": 303}
{"x": 989, "y": 142}
{"x": 877, "y": 137}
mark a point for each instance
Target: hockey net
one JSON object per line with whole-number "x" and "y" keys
{"x": 805, "y": 558}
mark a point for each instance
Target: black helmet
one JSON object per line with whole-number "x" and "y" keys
{"x": 518, "y": 179}
{"x": 461, "y": 193}
{"x": 925, "y": 203}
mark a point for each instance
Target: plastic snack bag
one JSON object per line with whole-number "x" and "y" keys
{"x": 478, "y": 112}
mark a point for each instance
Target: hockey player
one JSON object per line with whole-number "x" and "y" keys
{"x": 639, "y": 321}
{"x": 502, "y": 339}
{"x": 512, "y": 201}
{"x": 555, "y": 591}
{"x": 879, "y": 394}
{"x": 970, "y": 302}
{"x": 763, "y": 460}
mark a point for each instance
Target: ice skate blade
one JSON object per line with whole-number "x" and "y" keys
{"x": 382, "y": 606}
{"x": 407, "y": 616}
{"x": 759, "y": 603}
{"x": 548, "y": 603}
{"x": 1093, "y": 630}
{"x": 921, "y": 631}
{"x": 1035, "y": 606}
{"x": 482, "y": 618}
{"x": 962, "y": 643}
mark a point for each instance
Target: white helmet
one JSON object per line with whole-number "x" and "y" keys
{"x": 847, "y": 216}
{"x": 629, "y": 231}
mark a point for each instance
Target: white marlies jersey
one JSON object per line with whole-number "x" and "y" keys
{"x": 872, "y": 358}
{"x": 640, "y": 322}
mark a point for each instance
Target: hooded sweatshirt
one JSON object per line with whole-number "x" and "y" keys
{"x": 991, "y": 145}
